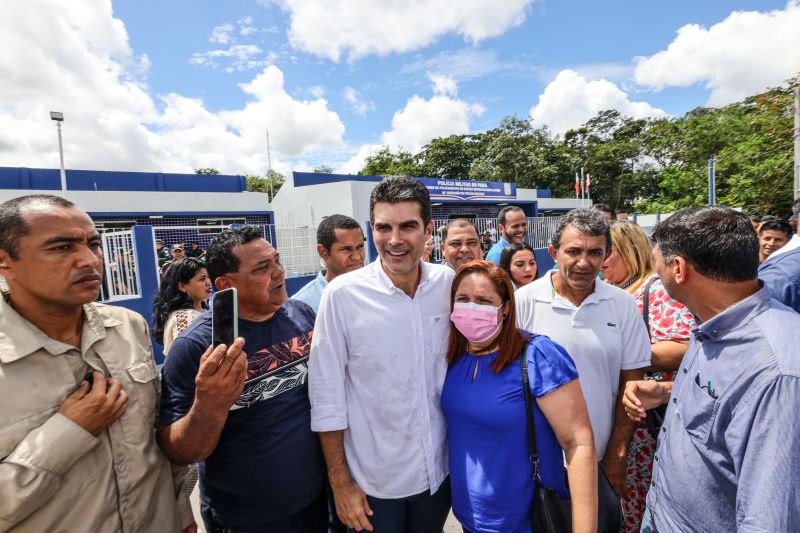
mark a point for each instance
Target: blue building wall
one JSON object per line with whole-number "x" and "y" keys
{"x": 102, "y": 180}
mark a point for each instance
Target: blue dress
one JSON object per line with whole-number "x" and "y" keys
{"x": 490, "y": 472}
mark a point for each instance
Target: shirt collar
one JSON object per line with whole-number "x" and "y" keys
{"x": 741, "y": 312}
{"x": 545, "y": 292}
{"x": 19, "y": 338}
{"x": 387, "y": 283}
{"x": 321, "y": 278}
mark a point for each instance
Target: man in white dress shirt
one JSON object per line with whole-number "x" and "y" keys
{"x": 376, "y": 372}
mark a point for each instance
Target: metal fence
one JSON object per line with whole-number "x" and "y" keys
{"x": 540, "y": 231}
{"x": 120, "y": 280}
{"x": 297, "y": 245}
{"x": 298, "y": 249}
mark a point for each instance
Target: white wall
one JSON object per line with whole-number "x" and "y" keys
{"x": 153, "y": 201}
{"x": 308, "y": 205}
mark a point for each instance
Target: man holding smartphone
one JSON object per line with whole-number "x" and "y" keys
{"x": 245, "y": 417}
{"x": 78, "y": 387}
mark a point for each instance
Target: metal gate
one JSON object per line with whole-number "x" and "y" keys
{"x": 120, "y": 280}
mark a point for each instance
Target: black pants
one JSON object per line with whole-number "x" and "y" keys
{"x": 420, "y": 513}
{"x": 311, "y": 519}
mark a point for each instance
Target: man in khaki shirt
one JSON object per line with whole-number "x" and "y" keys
{"x": 75, "y": 456}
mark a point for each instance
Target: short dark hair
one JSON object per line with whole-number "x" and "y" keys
{"x": 457, "y": 223}
{"x": 12, "y": 220}
{"x": 501, "y": 216}
{"x": 605, "y": 208}
{"x": 220, "y": 259}
{"x": 326, "y": 231}
{"x": 776, "y": 225}
{"x": 398, "y": 189}
{"x": 588, "y": 220}
{"x": 717, "y": 241}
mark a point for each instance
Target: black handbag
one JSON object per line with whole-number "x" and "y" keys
{"x": 654, "y": 418}
{"x": 550, "y": 512}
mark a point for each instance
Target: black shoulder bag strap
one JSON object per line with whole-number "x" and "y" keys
{"x": 655, "y": 417}
{"x": 646, "y": 304}
{"x": 533, "y": 451}
{"x": 550, "y": 513}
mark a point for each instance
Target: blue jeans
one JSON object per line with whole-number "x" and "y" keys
{"x": 420, "y": 513}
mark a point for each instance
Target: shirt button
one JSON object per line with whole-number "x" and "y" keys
{"x": 656, "y": 457}
{"x": 685, "y": 371}
{"x": 120, "y": 467}
{"x": 674, "y": 400}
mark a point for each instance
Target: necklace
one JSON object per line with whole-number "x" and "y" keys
{"x": 629, "y": 282}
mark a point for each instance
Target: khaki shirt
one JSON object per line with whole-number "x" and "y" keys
{"x": 54, "y": 475}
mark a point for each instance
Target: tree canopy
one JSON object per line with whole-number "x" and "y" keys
{"x": 648, "y": 165}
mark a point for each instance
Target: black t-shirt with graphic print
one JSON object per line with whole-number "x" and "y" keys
{"x": 268, "y": 464}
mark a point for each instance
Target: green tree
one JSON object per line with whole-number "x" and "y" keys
{"x": 209, "y": 170}
{"x": 262, "y": 183}
{"x": 323, "y": 169}
{"x": 386, "y": 163}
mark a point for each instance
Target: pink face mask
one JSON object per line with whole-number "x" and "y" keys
{"x": 478, "y": 323}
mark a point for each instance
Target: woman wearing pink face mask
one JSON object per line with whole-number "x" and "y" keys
{"x": 490, "y": 470}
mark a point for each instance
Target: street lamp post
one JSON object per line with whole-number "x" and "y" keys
{"x": 58, "y": 117}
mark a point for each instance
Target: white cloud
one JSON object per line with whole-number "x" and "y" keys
{"x": 362, "y": 27}
{"x": 418, "y": 122}
{"x": 356, "y": 103}
{"x": 358, "y": 160}
{"x": 422, "y": 120}
{"x": 745, "y": 53}
{"x": 317, "y": 91}
{"x": 246, "y": 27}
{"x": 570, "y": 100}
{"x": 239, "y": 57}
{"x": 443, "y": 85}
{"x": 222, "y": 34}
{"x": 83, "y": 65}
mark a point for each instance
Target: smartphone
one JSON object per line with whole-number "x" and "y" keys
{"x": 90, "y": 378}
{"x": 224, "y": 317}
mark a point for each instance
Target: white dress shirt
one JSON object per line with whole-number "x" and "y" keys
{"x": 604, "y": 335}
{"x": 376, "y": 371}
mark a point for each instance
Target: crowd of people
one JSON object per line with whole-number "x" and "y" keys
{"x": 657, "y": 377}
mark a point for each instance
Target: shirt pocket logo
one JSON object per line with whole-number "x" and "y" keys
{"x": 698, "y": 411}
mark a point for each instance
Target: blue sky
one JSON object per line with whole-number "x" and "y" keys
{"x": 180, "y": 84}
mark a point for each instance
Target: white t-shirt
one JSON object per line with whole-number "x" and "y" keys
{"x": 605, "y": 335}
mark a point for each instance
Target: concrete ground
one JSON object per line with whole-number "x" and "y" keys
{"x": 451, "y": 526}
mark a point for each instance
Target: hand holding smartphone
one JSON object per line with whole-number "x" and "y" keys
{"x": 224, "y": 317}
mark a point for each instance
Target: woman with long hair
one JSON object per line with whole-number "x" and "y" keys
{"x": 484, "y": 405}
{"x": 519, "y": 261}
{"x": 631, "y": 257}
{"x": 185, "y": 288}
{"x": 669, "y": 323}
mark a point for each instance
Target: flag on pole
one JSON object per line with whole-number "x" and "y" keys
{"x": 577, "y": 186}
{"x": 588, "y": 182}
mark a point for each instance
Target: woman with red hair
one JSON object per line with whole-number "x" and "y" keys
{"x": 491, "y": 475}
